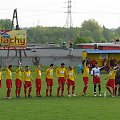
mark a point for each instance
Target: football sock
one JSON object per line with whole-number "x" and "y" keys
{"x": 95, "y": 89}
{"x": 46, "y": 92}
{"x": 73, "y": 89}
{"x": 29, "y": 92}
{"x": 99, "y": 88}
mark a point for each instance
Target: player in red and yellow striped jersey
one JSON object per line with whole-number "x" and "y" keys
{"x": 49, "y": 80}
{"x": 27, "y": 81}
{"x": 111, "y": 81}
{"x": 70, "y": 77}
{"x": 85, "y": 75}
{"x": 1, "y": 77}
{"x": 61, "y": 75}
{"x": 8, "y": 80}
{"x": 18, "y": 81}
{"x": 38, "y": 80}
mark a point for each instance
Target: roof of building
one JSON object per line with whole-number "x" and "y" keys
{"x": 102, "y": 51}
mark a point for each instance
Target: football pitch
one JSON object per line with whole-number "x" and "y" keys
{"x": 59, "y": 108}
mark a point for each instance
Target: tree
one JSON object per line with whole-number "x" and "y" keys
{"x": 106, "y": 33}
{"x": 91, "y": 29}
{"x": 5, "y": 24}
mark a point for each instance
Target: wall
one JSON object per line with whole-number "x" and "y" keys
{"x": 68, "y": 60}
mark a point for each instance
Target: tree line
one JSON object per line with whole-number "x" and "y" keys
{"x": 89, "y": 32}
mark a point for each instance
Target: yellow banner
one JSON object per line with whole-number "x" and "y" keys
{"x": 15, "y": 39}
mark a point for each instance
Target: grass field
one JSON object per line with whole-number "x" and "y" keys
{"x": 62, "y": 108}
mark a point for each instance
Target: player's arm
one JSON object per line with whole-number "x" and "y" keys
{"x": 102, "y": 68}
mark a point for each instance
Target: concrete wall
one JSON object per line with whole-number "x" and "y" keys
{"x": 56, "y": 60}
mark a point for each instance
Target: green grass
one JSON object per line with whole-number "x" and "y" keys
{"x": 62, "y": 108}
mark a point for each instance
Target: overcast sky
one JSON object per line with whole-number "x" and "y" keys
{"x": 51, "y": 12}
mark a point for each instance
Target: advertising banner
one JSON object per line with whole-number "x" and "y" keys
{"x": 15, "y": 39}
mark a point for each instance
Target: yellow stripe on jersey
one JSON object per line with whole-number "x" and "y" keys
{"x": 49, "y": 73}
{"x": 38, "y": 73}
{"x": 61, "y": 72}
{"x": 8, "y": 73}
{"x": 27, "y": 75}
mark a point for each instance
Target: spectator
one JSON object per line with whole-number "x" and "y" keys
{"x": 93, "y": 62}
{"x": 112, "y": 61}
{"x": 105, "y": 61}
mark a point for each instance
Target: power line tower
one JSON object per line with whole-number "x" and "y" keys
{"x": 69, "y": 23}
{"x": 69, "y": 27}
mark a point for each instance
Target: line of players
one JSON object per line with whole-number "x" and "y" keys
{"x": 64, "y": 76}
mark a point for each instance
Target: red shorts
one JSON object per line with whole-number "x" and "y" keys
{"x": 18, "y": 83}
{"x": 8, "y": 83}
{"x": 61, "y": 80}
{"x": 111, "y": 83}
{"x": 49, "y": 82}
{"x": 28, "y": 84}
{"x": 96, "y": 80}
{"x": 70, "y": 82}
{"x": 0, "y": 83}
{"x": 38, "y": 82}
{"x": 85, "y": 79}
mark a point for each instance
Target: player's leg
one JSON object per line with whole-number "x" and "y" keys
{"x": 59, "y": 86}
{"x": 108, "y": 86}
{"x": 51, "y": 84}
{"x": 85, "y": 79}
{"x": 25, "y": 88}
{"x": 8, "y": 92}
{"x": 63, "y": 83}
{"x": 37, "y": 87}
{"x": 109, "y": 90}
{"x": 9, "y": 86}
{"x": 73, "y": 90}
{"x": 99, "y": 89}
{"x": 68, "y": 87}
{"x": 47, "y": 86}
{"x": 19, "y": 90}
{"x": 94, "y": 89}
{"x": 40, "y": 86}
{"x": 17, "y": 87}
{"x": 30, "y": 89}
{"x": 62, "y": 92}
{"x": 50, "y": 90}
